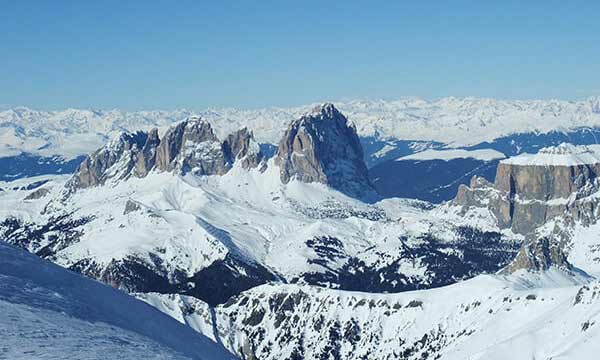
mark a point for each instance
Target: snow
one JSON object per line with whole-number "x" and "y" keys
{"x": 451, "y": 154}
{"x": 561, "y": 155}
{"x": 521, "y": 316}
{"x": 190, "y": 222}
{"x": 185, "y": 309}
{"x": 47, "y": 312}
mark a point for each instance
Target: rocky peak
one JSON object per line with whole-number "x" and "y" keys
{"x": 146, "y": 157}
{"x": 189, "y": 146}
{"x": 192, "y": 146}
{"x": 538, "y": 255}
{"x": 322, "y": 146}
{"x": 242, "y": 146}
{"x": 553, "y": 173}
{"x": 117, "y": 159}
{"x": 532, "y": 191}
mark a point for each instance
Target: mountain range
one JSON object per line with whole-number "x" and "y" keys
{"x": 288, "y": 248}
{"x": 35, "y": 142}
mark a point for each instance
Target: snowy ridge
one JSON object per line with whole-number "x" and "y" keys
{"x": 561, "y": 155}
{"x": 454, "y": 121}
{"x": 549, "y": 315}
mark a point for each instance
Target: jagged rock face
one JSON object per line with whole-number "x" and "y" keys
{"x": 540, "y": 254}
{"x": 241, "y": 146}
{"x": 531, "y": 190}
{"x": 115, "y": 160}
{"x": 319, "y": 147}
{"x": 192, "y": 146}
{"x": 323, "y": 147}
{"x": 146, "y": 157}
{"x": 544, "y": 183}
{"x": 540, "y": 196}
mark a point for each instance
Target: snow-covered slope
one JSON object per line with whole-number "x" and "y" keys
{"x": 523, "y": 316}
{"x": 47, "y": 312}
{"x": 198, "y": 230}
{"x": 454, "y": 121}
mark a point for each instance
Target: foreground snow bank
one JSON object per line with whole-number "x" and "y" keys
{"x": 49, "y": 312}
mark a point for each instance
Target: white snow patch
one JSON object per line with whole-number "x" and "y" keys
{"x": 451, "y": 154}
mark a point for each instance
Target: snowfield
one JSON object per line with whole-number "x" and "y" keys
{"x": 47, "y": 312}
{"x": 451, "y": 154}
{"x": 551, "y": 315}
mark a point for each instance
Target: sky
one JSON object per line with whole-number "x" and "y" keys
{"x": 249, "y": 54}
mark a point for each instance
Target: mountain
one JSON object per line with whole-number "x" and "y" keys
{"x": 47, "y": 312}
{"x": 548, "y": 197}
{"x": 189, "y": 146}
{"x": 456, "y": 121}
{"x": 532, "y": 189}
{"x": 181, "y": 226}
{"x": 323, "y": 147}
{"x": 52, "y": 142}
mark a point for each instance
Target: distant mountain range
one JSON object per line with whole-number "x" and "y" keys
{"x": 36, "y": 142}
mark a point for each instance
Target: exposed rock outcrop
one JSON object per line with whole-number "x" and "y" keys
{"x": 189, "y": 146}
{"x": 192, "y": 146}
{"x": 323, "y": 147}
{"x": 241, "y": 146}
{"x": 540, "y": 196}
{"x": 115, "y": 160}
{"x": 530, "y": 190}
{"x": 131, "y": 206}
{"x": 540, "y": 254}
{"x": 37, "y": 194}
{"x": 146, "y": 157}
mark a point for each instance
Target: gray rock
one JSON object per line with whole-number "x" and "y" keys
{"x": 37, "y": 194}
{"x": 241, "y": 146}
{"x": 540, "y": 254}
{"x": 192, "y": 146}
{"x": 116, "y": 160}
{"x": 131, "y": 206}
{"x": 323, "y": 147}
{"x": 525, "y": 197}
{"x": 146, "y": 157}
{"x": 319, "y": 147}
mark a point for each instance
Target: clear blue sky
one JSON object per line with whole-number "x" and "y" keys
{"x": 195, "y": 54}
